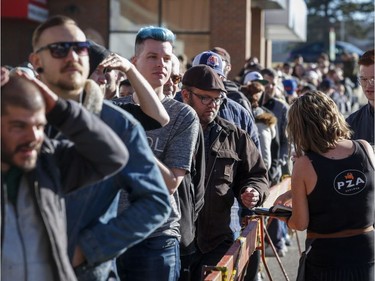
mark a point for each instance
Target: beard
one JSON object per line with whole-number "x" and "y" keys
{"x": 72, "y": 81}
{"x": 25, "y": 164}
{"x": 75, "y": 82}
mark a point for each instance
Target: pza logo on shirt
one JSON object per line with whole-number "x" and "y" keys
{"x": 350, "y": 182}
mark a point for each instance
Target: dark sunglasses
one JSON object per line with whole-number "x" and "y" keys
{"x": 176, "y": 78}
{"x": 60, "y": 50}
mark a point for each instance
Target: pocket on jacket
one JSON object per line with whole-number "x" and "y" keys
{"x": 226, "y": 163}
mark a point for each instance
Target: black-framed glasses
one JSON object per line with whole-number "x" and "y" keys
{"x": 60, "y": 50}
{"x": 176, "y": 78}
{"x": 207, "y": 100}
{"x": 366, "y": 81}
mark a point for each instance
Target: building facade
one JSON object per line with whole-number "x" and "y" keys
{"x": 243, "y": 27}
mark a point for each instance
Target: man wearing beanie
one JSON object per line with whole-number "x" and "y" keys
{"x": 234, "y": 167}
{"x": 108, "y": 79}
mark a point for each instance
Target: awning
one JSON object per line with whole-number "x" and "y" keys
{"x": 35, "y": 10}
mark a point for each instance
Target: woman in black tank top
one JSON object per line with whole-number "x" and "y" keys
{"x": 332, "y": 191}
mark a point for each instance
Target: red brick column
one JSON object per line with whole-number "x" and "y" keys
{"x": 230, "y": 24}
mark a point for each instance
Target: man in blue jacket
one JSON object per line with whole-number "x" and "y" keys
{"x": 96, "y": 234}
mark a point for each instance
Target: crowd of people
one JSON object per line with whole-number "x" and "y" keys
{"x": 144, "y": 168}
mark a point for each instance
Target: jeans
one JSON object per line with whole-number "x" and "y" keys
{"x": 103, "y": 272}
{"x": 277, "y": 233}
{"x": 154, "y": 259}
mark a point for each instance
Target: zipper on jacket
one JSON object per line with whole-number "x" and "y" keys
{"x": 49, "y": 232}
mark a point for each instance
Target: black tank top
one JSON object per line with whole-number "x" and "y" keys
{"x": 343, "y": 197}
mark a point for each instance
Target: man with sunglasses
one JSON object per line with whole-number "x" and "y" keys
{"x": 96, "y": 233}
{"x": 172, "y": 86}
{"x": 234, "y": 167}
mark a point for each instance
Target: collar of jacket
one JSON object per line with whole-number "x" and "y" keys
{"x": 225, "y": 125}
{"x": 92, "y": 97}
{"x": 230, "y": 86}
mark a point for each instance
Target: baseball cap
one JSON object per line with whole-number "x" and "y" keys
{"x": 203, "y": 77}
{"x": 290, "y": 86}
{"x": 211, "y": 59}
{"x": 311, "y": 74}
{"x": 254, "y": 76}
{"x": 97, "y": 53}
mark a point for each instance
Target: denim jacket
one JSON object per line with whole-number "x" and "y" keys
{"x": 92, "y": 218}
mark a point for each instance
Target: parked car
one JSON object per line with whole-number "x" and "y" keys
{"x": 311, "y": 51}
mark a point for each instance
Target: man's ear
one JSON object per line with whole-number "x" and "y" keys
{"x": 228, "y": 68}
{"x": 34, "y": 60}
{"x": 133, "y": 60}
{"x": 185, "y": 95}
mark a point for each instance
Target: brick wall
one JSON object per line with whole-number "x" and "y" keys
{"x": 92, "y": 16}
{"x": 230, "y": 29}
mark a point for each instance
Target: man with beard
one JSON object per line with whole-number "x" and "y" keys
{"x": 36, "y": 171}
{"x": 234, "y": 167}
{"x": 96, "y": 234}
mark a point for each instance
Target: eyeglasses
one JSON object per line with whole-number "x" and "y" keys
{"x": 176, "y": 78}
{"x": 60, "y": 50}
{"x": 366, "y": 81}
{"x": 207, "y": 100}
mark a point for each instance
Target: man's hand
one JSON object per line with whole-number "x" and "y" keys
{"x": 250, "y": 197}
{"x": 115, "y": 61}
{"x": 50, "y": 97}
{"x": 78, "y": 257}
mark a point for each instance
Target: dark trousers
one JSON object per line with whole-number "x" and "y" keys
{"x": 253, "y": 267}
{"x": 211, "y": 259}
{"x": 276, "y": 231}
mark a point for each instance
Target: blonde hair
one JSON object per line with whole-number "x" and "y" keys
{"x": 315, "y": 123}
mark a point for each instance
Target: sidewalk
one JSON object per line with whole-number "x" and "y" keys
{"x": 289, "y": 261}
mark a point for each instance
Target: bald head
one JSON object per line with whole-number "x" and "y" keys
{"x": 20, "y": 92}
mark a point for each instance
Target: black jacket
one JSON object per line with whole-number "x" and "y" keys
{"x": 92, "y": 153}
{"x": 191, "y": 195}
{"x": 232, "y": 164}
{"x": 235, "y": 94}
{"x": 362, "y": 123}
